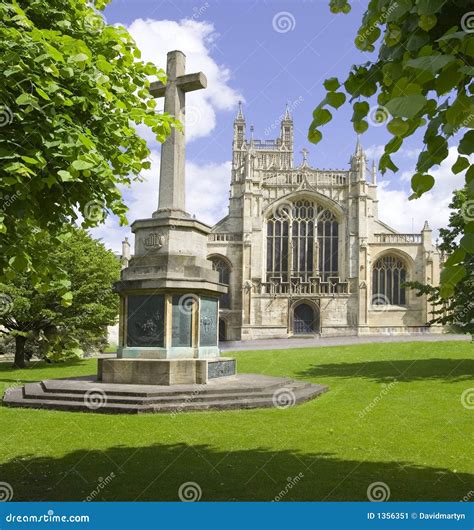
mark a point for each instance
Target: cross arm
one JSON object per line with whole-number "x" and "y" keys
{"x": 187, "y": 83}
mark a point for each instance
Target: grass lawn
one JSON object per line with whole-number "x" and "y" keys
{"x": 393, "y": 415}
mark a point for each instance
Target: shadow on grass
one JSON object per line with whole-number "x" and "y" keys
{"x": 155, "y": 473}
{"x": 448, "y": 370}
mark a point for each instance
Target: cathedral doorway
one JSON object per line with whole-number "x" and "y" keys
{"x": 305, "y": 319}
{"x": 222, "y": 330}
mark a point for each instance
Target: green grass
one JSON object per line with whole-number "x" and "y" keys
{"x": 417, "y": 438}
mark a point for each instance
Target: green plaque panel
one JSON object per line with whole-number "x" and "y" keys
{"x": 208, "y": 322}
{"x": 181, "y": 333}
{"x": 146, "y": 320}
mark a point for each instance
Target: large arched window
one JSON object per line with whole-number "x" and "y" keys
{"x": 221, "y": 266}
{"x": 388, "y": 275}
{"x": 302, "y": 242}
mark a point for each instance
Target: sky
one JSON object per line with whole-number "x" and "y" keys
{"x": 265, "y": 53}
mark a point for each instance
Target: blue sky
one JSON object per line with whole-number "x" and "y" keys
{"x": 265, "y": 53}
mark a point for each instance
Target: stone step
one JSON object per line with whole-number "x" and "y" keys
{"x": 37, "y": 391}
{"x": 16, "y": 398}
{"x": 225, "y": 385}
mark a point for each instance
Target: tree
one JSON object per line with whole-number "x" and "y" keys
{"x": 71, "y": 89}
{"x": 28, "y": 312}
{"x": 423, "y": 80}
{"x": 456, "y": 311}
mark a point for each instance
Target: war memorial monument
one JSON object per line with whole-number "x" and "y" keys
{"x": 168, "y": 358}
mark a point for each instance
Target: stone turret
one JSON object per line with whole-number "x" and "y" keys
{"x": 358, "y": 162}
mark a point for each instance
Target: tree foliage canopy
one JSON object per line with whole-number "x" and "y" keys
{"x": 422, "y": 78}
{"x": 27, "y": 310}
{"x": 71, "y": 90}
{"x": 456, "y": 311}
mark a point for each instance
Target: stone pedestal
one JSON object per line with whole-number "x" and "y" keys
{"x": 169, "y": 306}
{"x": 164, "y": 371}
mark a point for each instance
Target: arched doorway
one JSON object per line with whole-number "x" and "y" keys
{"x": 305, "y": 319}
{"x": 222, "y": 330}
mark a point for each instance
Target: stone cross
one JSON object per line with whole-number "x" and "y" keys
{"x": 172, "y": 179}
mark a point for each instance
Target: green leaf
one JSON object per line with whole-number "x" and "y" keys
{"x": 427, "y": 22}
{"x": 85, "y": 141}
{"x": 53, "y": 52}
{"x": 460, "y": 165}
{"x": 78, "y": 58}
{"x": 431, "y": 63}
{"x": 406, "y": 106}
{"x": 42, "y": 93}
{"x": 314, "y": 136}
{"x": 30, "y": 160}
{"x": 398, "y": 127}
{"x": 81, "y": 165}
{"x": 360, "y": 126}
{"x": 466, "y": 145}
{"x": 321, "y": 116}
{"x": 421, "y": 183}
{"x": 386, "y": 162}
{"x": 335, "y": 99}
{"x": 65, "y": 175}
{"x": 456, "y": 257}
{"x": 331, "y": 84}
{"x": 467, "y": 242}
{"x": 450, "y": 277}
{"x": 427, "y": 7}
{"x": 26, "y": 99}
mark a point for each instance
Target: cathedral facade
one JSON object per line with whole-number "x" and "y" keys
{"x": 304, "y": 251}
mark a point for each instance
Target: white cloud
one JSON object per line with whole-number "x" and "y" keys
{"x": 374, "y": 151}
{"x": 207, "y": 189}
{"x": 397, "y": 211}
{"x": 156, "y": 37}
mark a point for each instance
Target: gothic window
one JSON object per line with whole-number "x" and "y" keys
{"x": 219, "y": 265}
{"x": 388, "y": 275}
{"x": 302, "y": 242}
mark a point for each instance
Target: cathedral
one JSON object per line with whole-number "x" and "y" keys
{"x": 304, "y": 250}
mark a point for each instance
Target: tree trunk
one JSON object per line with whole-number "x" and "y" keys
{"x": 20, "y": 351}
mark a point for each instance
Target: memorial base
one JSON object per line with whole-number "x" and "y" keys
{"x": 164, "y": 371}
